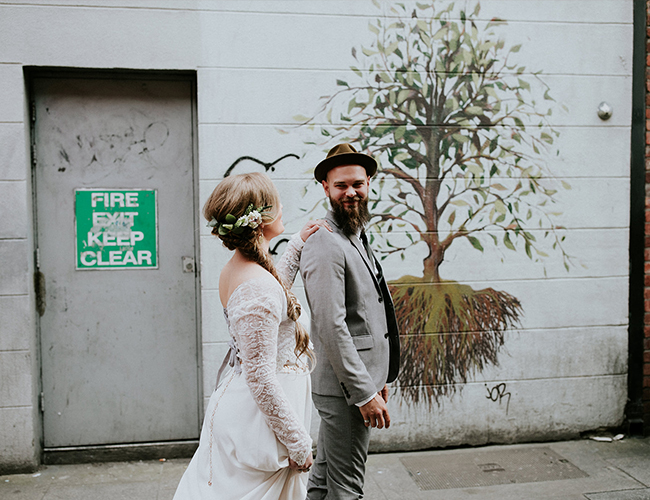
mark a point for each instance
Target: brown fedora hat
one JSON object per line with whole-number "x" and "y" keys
{"x": 344, "y": 154}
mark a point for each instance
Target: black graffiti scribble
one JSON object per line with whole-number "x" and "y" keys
{"x": 497, "y": 393}
{"x": 274, "y": 250}
{"x": 268, "y": 166}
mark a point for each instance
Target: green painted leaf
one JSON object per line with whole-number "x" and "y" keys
{"x": 528, "y": 252}
{"x": 391, "y": 48}
{"x": 399, "y": 132}
{"x": 402, "y": 95}
{"x": 523, "y": 84}
{"x": 441, "y": 33}
{"x": 475, "y": 169}
{"x": 475, "y": 243}
{"x": 401, "y": 156}
{"x": 500, "y": 207}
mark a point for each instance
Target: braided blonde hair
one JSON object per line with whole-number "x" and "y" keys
{"x": 233, "y": 195}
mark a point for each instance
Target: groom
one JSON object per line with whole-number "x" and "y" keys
{"x": 353, "y": 328}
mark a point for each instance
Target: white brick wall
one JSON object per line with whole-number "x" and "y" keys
{"x": 259, "y": 63}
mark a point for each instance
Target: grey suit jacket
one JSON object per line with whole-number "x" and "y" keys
{"x": 348, "y": 318}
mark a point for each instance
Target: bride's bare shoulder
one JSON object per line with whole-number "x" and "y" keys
{"x": 236, "y": 272}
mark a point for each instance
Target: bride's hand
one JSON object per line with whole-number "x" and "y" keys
{"x": 312, "y": 226}
{"x": 306, "y": 467}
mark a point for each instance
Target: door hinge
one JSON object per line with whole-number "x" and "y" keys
{"x": 32, "y": 144}
{"x": 39, "y": 288}
{"x": 33, "y": 148}
{"x": 42, "y": 402}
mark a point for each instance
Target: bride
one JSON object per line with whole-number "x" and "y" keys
{"x": 255, "y": 442}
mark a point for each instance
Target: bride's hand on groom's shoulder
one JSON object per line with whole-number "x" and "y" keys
{"x": 312, "y": 226}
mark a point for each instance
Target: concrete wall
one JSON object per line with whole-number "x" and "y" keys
{"x": 560, "y": 371}
{"x": 19, "y": 424}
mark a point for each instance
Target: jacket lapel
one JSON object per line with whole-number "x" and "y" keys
{"x": 356, "y": 243}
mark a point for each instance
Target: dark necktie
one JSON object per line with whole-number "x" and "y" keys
{"x": 371, "y": 256}
{"x": 393, "y": 330}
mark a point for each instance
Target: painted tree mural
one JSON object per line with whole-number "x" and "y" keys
{"x": 462, "y": 140}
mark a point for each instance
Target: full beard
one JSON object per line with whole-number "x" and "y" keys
{"x": 353, "y": 219}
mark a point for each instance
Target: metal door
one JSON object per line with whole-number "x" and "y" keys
{"x": 118, "y": 343}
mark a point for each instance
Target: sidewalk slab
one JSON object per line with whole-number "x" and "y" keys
{"x": 622, "y": 495}
{"x": 141, "y": 480}
{"x": 607, "y": 471}
{"x": 620, "y": 466}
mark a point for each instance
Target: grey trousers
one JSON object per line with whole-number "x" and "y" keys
{"x": 339, "y": 469}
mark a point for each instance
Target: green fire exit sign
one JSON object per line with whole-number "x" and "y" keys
{"x": 116, "y": 229}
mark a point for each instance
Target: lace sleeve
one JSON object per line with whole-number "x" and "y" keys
{"x": 254, "y": 316}
{"x": 289, "y": 263}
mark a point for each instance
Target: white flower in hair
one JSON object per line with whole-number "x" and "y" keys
{"x": 254, "y": 219}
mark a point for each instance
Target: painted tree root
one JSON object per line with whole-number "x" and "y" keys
{"x": 449, "y": 331}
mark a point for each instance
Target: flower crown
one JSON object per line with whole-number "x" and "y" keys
{"x": 252, "y": 218}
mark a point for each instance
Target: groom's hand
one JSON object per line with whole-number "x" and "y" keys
{"x": 384, "y": 393}
{"x": 375, "y": 413}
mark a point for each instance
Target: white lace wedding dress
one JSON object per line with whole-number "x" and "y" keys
{"x": 259, "y": 415}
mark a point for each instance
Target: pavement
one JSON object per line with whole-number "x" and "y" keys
{"x": 583, "y": 469}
